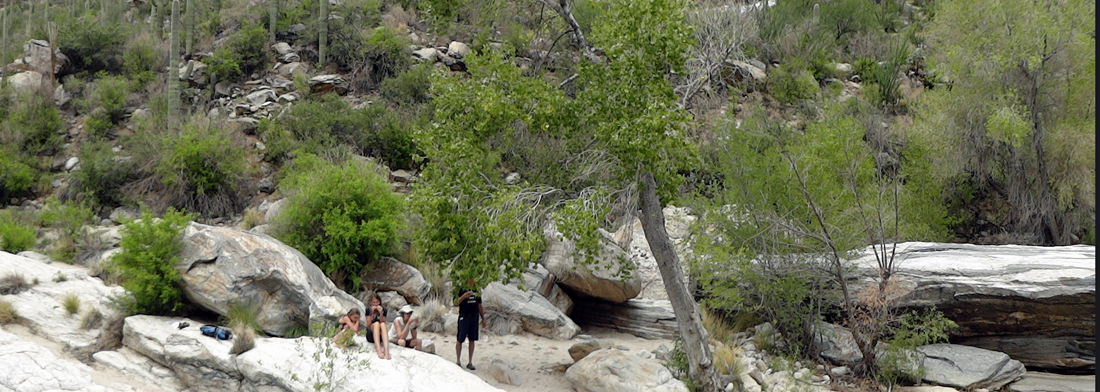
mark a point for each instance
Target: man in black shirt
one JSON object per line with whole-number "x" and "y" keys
{"x": 469, "y": 312}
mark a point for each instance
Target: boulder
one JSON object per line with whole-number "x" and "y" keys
{"x": 631, "y": 236}
{"x": 535, "y": 313}
{"x": 244, "y": 125}
{"x": 388, "y": 274}
{"x": 199, "y": 361}
{"x": 261, "y": 96}
{"x": 32, "y": 368}
{"x": 220, "y": 266}
{"x": 740, "y": 72}
{"x": 1036, "y": 304}
{"x": 36, "y": 57}
{"x": 612, "y": 370}
{"x": 322, "y": 84}
{"x": 836, "y": 344}
{"x": 290, "y": 58}
{"x": 540, "y": 280}
{"x": 581, "y": 349}
{"x": 968, "y": 367}
{"x": 457, "y": 49}
{"x": 274, "y": 210}
{"x": 135, "y": 366}
{"x": 1051, "y": 382}
{"x": 40, "y": 304}
{"x": 599, "y": 281}
{"x": 27, "y": 81}
{"x": 290, "y": 70}
{"x": 504, "y": 372}
{"x": 426, "y": 54}
{"x": 281, "y": 48}
{"x": 650, "y": 319}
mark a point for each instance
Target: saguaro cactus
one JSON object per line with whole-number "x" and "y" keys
{"x": 3, "y": 44}
{"x": 322, "y": 37}
{"x": 189, "y": 26}
{"x": 158, "y": 20}
{"x": 173, "y": 67}
{"x": 272, "y": 18}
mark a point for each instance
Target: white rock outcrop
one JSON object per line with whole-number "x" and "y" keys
{"x": 612, "y": 370}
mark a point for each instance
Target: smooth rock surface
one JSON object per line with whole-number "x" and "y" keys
{"x": 388, "y": 274}
{"x": 968, "y": 367}
{"x": 1036, "y": 304}
{"x": 612, "y": 370}
{"x": 1051, "y": 382}
{"x": 650, "y": 319}
{"x": 535, "y": 313}
{"x": 220, "y": 266}
{"x": 28, "y": 367}
{"x": 599, "y": 281}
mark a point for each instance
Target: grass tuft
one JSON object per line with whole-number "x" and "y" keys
{"x": 91, "y": 319}
{"x": 13, "y": 283}
{"x": 243, "y": 314}
{"x": 244, "y": 337}
{"x": 8, "y": 314}
{"x": 71, "y": 303}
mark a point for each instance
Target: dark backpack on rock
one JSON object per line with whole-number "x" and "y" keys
{"x": 216, "y": 332}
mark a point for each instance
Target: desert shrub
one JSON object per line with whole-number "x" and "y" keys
{"x": 242, "y": 55}
{"x": 201, "y": 169}
{"x": 71, "y": 303}
{"x": 30, "y": 123}
{"x": 252, "y": 218}
{"x": 110, "y": 94}
{"x": 69, "y": 218}
{"x": 677, "y": 364}
{"x": 8, "y": 314}
{"x": 13, "y": 283}
{"x": 242, "y": 314}
{"x": 790, "y": 87}
{"x": 343, "y": 217}
{"x": 431, "y": 312}
{"x": 17, "y": 231}
{"x": 140, "y": 58}
{"x": 150, "y": 248}
{"x": 16, "y": 176}
{"x": 386, "y": 53}
{"x": 101, "y": 176}
{"x": 409, "y": 87}
{"x": 244, "y": 338}
{"x": 93, "y": 45}
{"x": 914, "y": 329}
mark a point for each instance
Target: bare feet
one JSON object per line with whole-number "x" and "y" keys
{"x": 380, "y": 356}
{"x": 388, "y": 356}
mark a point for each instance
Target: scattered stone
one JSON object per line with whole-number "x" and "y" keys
{"x": 71, "y": 163}
{"x": 457, "y": 49}
{"x": 504, "y": 372}
{"x": 581, "y": 349}
{"x": 281, "y": 48}
{"x": 322, "y": 84}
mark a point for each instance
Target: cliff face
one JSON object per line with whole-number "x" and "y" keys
{"x": 1036, "y": 304}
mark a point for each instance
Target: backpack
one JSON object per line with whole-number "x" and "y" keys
{"x": 216, "y": 332}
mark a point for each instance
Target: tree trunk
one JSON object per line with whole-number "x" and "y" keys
{"x": 694, "y": 336}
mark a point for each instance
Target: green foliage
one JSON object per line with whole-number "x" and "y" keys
{"x": 914, "y": 329}
{"x": 69, "y": 218}
{"x": 16, "y": 176}
{"x": 93, "y": 45}
{"x": 241, "y": 316}
{"x": 387, "y": 54}
{"x": 790, "y": 88}
{"x": 147, "y": 263}
{"x": 29, "y": 123}
{"x": 1019, "y": 118}
{"x": 317, "y": 125}
{"x": 140, "y": 59}
{"x": 102, "y": 175}
{"x": 409, "y": 87}
{"x": 242, "y": 55}
{"x": 109, "y": 93}
{"x": 677, "y": 364}
{"x": 17, "y": 231}
{"x": 201, "y": 169}
{"x": 343, "y": 217}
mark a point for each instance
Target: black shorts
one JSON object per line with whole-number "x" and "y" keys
{"x": 408, "y": 343}
{"x": 467, "y": 327}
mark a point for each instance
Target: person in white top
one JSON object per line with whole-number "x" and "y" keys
{"x": 404, "y": 329}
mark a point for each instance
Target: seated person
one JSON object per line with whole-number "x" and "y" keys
{"x": 349, "y": 326}
{"x": 404, "y": 329}
{"x": 376, "y": 327}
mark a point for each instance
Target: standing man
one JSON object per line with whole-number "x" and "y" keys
{"x": 469, "y": 312}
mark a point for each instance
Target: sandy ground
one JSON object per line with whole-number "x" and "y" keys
{"x": 535, "y": 358}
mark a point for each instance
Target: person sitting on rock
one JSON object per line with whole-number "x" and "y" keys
{"x": 376, "y": 327}
{"x": 349, "y": 326}
{"x": 404, "y": 329}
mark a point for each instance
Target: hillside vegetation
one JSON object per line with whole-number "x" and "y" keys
{"x": 790, "y": 128}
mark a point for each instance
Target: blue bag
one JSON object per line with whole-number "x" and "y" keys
{"x": 216, "y": 332}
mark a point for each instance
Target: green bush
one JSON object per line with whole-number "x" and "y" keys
{"x": 914, "y": 329}
{"x": 93, "y": 45}
{"x": 790, "y": 87}
{"x": 30, "y": 123}
{"x": 409, "y": 87}
{"x": 387, "y": 54}
{"x": 201, "y": 169}
{"x": 150, "y": 248}
{"x": 17, "y": 178}
{"x": 140, "y": 58}
{"x": 343, "y": 217}
{"x": 69, "y": 218}
{"x": 101, "y": 176}
{"x": 242, "y": 55}
{"x": 17, "y": 232}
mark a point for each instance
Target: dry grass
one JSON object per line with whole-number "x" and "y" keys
{"x": 502, "y": 323}
{"x": 93, "y": 318}
{"x": 718, "y": 329}
{"x": 727, "y": 359}
{"x": 71, "y": 303}
{"x": 13, "y": 283}
{"x": 244, "y": 338}
{"x": 431, "y": 313}
{"x": 252, "y": 218}
{"x": 8, "y": 314}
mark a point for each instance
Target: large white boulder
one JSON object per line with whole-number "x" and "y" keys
{"x": 597, "y": 280}
{"x": 28, "y": 367}
{"x": 1034, "y": 303}
{"x": 535, "y": 313}
{"x": 968, "y": 367}
{"x": 277, "y": 364}
{"x": 220, "y": 266}
{"x": 388, "y": 274}
{"x": 612, "y": 370}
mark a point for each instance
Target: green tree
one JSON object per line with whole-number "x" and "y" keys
{"x": 1014, "y": 131}
{"x": 343, "y": 217}
{"x": 618, "y": 139}
{"x": 150, "y": 249}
